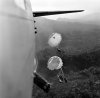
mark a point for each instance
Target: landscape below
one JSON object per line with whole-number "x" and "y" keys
{"x": 80, "y": 53}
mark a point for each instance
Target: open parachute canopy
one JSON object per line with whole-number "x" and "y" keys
{"x": 55, "y": 63}
{"x": 54, "y": 39}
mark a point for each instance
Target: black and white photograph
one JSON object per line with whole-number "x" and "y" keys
{"x": 49, "y": 49}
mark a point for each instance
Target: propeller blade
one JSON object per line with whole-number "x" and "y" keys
{"x": 45, "y": 13}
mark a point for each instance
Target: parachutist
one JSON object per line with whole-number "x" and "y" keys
{"x": 62, "y": 79}
{"x": 61, "y": 76}
{"x": 59, "y": 50}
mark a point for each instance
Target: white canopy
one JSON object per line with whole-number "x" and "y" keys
{"x": 54, "y": 62}
{"x": 54, "y": 39}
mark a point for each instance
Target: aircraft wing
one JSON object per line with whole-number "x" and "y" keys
{"x": 45, "y": 13}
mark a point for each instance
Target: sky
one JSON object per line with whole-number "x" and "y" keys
{"x": 90, "y": 6}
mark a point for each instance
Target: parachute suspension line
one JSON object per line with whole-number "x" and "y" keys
{"x": 62, "y": 72}
{"x": 61, "y": 76}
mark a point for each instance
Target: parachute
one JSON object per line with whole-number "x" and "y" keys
{"x": 55, "y": 63}
{"x": 54, "y": 39}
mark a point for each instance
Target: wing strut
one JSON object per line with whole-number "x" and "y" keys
{"x": 45, "y": 13}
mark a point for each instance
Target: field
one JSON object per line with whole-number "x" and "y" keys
{"x": 83, "y": 84}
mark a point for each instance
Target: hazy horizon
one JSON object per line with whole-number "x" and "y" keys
{"x": 90, "y": 6}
